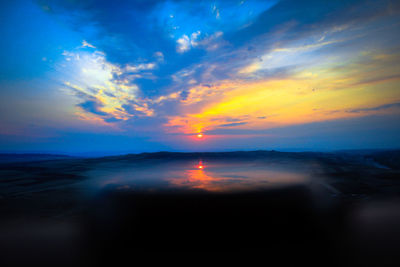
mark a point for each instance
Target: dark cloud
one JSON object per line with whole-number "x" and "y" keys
{"x": 305, "y": 17}
{"x": 184, "y": 95}
{"x": 233, "y": 124}
{"x": 93, "y": 106}
{"x": 378, "y": 108}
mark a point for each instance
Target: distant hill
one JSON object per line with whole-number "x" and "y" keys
{"x": 15, "y": 157}
{"x": 212, "y": 155}
{"x": 387, "y": 158}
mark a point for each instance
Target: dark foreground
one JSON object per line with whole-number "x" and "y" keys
{"x": 56, "y": 212}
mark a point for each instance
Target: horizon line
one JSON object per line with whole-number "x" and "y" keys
{"x": 120, "y": 153}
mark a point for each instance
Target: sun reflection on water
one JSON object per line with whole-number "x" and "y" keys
{"x": 199, "y": 179}
{"x": 230, "y": 178}
{"x": 212, "y": 176}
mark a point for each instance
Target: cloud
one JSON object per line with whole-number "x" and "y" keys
{"x": 210, "y": 62}
{"x": 86, "y": 44}
{"x": 233, "y": 124}
{"x": 212, "y": 42}
{"x": 183, "y": 44}
{"x": 159, "y": 56}
{"x": 193, "y": 38}
{"x": 106, "y": 90}
{"x": 139, "y": 67}
{"x": 377, "y": 108}
{"x": 325, "y": 90}
{"x": 93, "y": 106}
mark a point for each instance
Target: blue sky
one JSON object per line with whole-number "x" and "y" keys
{"x": 132, "y": 76}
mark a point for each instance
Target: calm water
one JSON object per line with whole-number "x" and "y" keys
{"x": 211, "y": 176}
{"x": 292, "y": 209}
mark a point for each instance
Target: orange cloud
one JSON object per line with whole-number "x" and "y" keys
{"x": 318, "y": 93}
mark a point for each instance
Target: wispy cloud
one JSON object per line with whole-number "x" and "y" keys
{"x": 233, "y": 124}
{"x": 377, "y": 108}
{"x": 86, "y": 44}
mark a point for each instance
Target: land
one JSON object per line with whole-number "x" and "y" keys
{"x": 352, "y": 216}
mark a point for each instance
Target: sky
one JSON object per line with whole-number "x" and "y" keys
{"x": 109, "y": 77}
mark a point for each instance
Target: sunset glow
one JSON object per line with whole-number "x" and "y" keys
{"x": 267, "y": 126}
{"x": 221, "y": 177}
{"x": 200, "y": 165}
{"x": 159, "y": 75}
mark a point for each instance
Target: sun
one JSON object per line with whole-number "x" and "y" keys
{"x": 200, "y": 165}
{"x": 200, "y": 135}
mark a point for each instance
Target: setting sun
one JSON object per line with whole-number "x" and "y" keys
{"x": 200, "y": 135}
{"x": 200, "y": 165}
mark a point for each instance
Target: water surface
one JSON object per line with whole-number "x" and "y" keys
{"x": 201, "y": 175}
